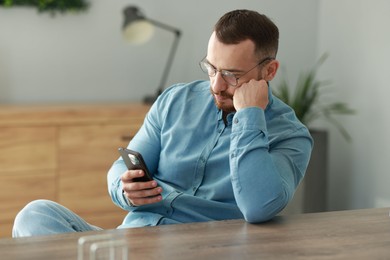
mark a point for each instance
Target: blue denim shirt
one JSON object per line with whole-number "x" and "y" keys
{"x": 248, "y": 167}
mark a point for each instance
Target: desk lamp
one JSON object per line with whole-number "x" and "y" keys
{"x": 138, "y": 29}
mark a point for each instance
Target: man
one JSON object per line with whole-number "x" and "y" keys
{"x": 237, "y": 152}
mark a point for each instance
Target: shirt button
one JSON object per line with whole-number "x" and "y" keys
{"x": 235, "y": 121}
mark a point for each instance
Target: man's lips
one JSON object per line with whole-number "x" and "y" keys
{"x": 221, "y": 97}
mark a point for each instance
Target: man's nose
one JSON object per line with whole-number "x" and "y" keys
{"x": 218, "y": 84}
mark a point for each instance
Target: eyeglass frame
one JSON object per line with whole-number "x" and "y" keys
{"x": 224, "y": 72}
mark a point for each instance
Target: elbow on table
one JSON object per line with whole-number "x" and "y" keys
{"x": 258, "y": 218}
{"x": 265, "y": 212}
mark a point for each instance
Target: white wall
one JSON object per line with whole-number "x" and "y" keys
{"x": 83, "y": 58}
{"x": 356, "y": 35}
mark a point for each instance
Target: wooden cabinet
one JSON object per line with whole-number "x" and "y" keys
{"x": 63, "y": 153}
{"x": 87, "y": 153}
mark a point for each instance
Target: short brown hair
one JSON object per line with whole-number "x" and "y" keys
{"x": 239, "y": 25}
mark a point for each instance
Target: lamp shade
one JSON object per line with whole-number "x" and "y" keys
{"x": 136, "y": 28}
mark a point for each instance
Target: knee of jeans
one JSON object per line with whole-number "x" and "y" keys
{"x": 30, "y": 212}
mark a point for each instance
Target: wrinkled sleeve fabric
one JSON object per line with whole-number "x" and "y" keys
{"x": 146, "y": 142}
{"x": 265, "y": 174}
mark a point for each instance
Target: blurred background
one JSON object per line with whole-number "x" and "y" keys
{"x": 83, "y": 58}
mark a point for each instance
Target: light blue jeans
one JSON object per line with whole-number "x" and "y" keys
{"x": 44, "y": 217}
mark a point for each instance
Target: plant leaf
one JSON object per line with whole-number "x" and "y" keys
{"x": 306, "y": 100}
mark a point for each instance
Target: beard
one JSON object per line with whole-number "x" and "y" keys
{"x": 226, "y": 105}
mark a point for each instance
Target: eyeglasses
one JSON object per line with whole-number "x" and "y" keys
{"x": 229, "y": 77}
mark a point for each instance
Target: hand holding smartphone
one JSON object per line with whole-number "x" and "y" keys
{"x": 134, "y": 161}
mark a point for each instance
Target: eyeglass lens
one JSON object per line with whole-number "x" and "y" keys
{"x": 228, "y": 76}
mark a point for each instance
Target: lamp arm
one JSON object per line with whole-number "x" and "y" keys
{"x": 164, "y": 26}
{"x": 151, "y": 99}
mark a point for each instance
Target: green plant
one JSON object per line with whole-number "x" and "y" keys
{"x": 307, "y": 100}
{"x": 49, "y": 5}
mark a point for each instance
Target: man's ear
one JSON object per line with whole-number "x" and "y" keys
{"x": 270, "y": 70}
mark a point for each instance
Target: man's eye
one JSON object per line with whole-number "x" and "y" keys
{"x": 228, "y": 74}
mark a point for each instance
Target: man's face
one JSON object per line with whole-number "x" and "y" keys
{"x": 237, "y": 58}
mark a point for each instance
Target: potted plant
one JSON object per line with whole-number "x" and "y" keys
{"x": 306, "y": 100}
{"x": 308, "y": 103}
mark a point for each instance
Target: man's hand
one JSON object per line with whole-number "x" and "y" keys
{"x": 251, "y": 94}
{"x": 140, "y": 193}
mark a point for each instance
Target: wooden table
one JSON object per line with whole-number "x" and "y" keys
{"x": 354, "y": 234}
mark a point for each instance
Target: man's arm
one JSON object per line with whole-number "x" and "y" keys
{"x": 123, "y": 191}
{"x": 265, "y": 176}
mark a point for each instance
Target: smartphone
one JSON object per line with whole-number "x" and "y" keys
{"x": 134, "y": 161}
